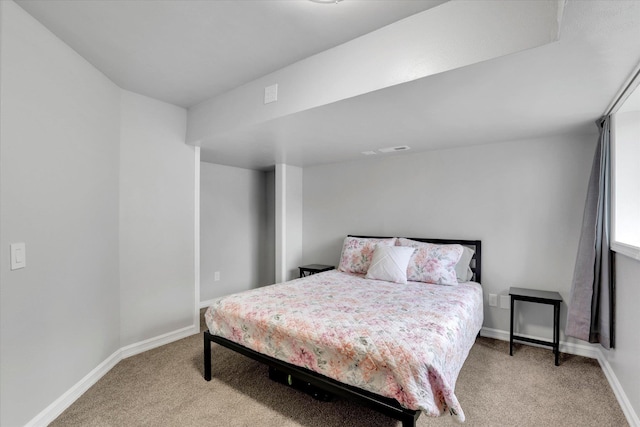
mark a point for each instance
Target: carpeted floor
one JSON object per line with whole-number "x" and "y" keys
{"x": 164, "y": 387}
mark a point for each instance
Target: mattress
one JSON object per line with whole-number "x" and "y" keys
{"x": 406, "y": 342}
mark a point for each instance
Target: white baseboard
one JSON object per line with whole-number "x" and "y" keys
{"x": 207, "y": 303}
{"x": 627, "y": 409}
{"x": 53, "y": 411}
{"x": 151, "y": 343}
{"x": 586, "y": 350}
{"x": 592, "y": 351}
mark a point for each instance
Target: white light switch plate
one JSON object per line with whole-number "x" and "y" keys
{"x": 18, "y": 256}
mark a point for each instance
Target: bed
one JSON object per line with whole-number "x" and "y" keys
{"x": 365, "y": 332}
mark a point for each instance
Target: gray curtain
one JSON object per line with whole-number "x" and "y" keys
{"x": 592, "y": 302}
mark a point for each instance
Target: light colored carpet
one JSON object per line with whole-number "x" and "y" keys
{"x": 164, "y": 387}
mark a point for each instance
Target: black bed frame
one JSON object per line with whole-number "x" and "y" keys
{"x": 384, "y": 405}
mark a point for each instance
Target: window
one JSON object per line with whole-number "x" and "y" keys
{"x": 625, "y": 171}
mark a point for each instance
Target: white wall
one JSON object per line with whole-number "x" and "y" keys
{"x": 99, "y": 184}
{"x": 269, "y": 248}
{"x": 59, "y": 316}
{"x": 288, "y": 221}
{"x": 156, "y": 219}
{"x": 524, "y": 200}
{"x": 624, "y": 358}
{"x": 234, "y": 231}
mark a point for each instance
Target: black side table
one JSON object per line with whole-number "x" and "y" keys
{"x": 308, "y": 270}
{"x": 542, "y": 297}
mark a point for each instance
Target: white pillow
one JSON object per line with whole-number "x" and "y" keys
{"x": 389, "y": 263}
{"x": 463, "y": 269}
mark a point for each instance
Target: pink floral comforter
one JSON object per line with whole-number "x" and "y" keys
{"x": 407, "y": 342}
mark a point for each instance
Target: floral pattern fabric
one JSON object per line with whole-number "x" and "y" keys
{"x": 407, "y": 342}
{"x": 357, "y": 253}
{"x": 432, "y": 263}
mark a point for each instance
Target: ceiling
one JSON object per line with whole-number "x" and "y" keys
{"x": 184, "y": 52}
{"x": 632, "y": 102}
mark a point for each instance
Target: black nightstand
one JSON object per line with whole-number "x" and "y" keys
{"x": 542, "y": 297}
{"x": 308, "y": 270}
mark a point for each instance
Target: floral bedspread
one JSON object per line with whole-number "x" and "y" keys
{"x": 407, "y": 342}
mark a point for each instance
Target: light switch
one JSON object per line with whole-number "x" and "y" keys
{"x": 18, "y": 256}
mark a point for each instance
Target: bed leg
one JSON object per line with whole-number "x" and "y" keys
{"x": 409, "y": 420}
{"x": 207, "y": 356}
{"x": 408, "y": 423}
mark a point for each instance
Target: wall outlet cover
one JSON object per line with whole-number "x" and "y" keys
{"x": 493, "y": 300}
{"x": 505, "y": 301}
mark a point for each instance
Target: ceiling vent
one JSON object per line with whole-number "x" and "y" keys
{"x": 393, "y": 149}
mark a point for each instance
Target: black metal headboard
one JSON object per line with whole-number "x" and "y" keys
{"x": 476, "y": 245}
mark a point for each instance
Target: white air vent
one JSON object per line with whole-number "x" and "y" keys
{"x": 369, "y": 153}
{"x": 392, "y": 149}
{"x": 271, "y": 94}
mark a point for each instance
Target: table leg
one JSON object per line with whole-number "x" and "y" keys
{"x": 207, "y": 356}
{"x": 556, "y": 331}
{"x": 511, "y": 329}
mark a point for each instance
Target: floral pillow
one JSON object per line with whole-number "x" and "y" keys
{"x": 357, "y": 253}
{"x": 432, "y": 263}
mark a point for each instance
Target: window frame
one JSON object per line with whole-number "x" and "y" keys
{"x": 616, "y": 245}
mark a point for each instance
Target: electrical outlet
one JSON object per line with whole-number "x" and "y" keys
{"x": 216, "y": 276}
{"x": 505, "y": 301}
{"x": 493, "y": 300}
